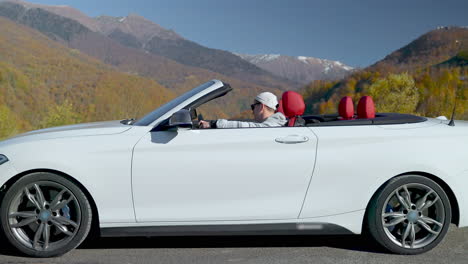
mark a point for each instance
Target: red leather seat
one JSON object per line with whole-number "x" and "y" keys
{"x": 293, "y": 106}
{"x": 346, "y": 108}
{"x": 366, "y": 108}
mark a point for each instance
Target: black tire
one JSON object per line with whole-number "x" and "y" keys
{"x": 60, "y": 226}
{"x": 410, "y": 236}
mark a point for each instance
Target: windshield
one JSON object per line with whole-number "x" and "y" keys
{"x": 149, "y": 118}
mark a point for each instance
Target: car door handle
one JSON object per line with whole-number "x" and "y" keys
{"x": 292, "y": 139}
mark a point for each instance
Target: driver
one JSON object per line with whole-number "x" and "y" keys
{"x": 263, "y": 108}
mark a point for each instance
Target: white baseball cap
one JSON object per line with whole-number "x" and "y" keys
{"x": 267, "y": 99}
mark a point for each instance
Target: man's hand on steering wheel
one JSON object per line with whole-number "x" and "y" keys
{"x": 204, "y": 124}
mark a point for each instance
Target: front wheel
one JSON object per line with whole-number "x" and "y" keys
{"x": 410, "y": 215}
{"x": 45, "y": 215}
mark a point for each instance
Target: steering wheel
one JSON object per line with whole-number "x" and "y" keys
{"x": 196, "y": 124}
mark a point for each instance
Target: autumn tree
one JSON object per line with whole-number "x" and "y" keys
{"x": 59, "y": 115}
{"x": 8, "y": 122}
{"x": 395, "y": 93}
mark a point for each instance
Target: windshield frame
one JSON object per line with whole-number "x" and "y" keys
{"x": 178, "y": 103}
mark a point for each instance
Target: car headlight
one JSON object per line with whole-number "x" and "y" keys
{"x": 3, "y": 159}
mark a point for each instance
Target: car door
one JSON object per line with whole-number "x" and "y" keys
{"x": 222, "y": 174}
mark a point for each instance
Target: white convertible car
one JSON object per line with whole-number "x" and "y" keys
{"x": 402, "y": 179}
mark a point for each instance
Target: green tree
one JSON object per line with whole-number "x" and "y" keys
{"x": 395, "y": 93}
{"x": 59, "y": 115}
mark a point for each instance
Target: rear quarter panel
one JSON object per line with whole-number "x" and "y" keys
{"x": 354, "y": 161}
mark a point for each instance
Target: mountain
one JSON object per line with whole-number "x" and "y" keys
{"x": 61, "y": 10}
{"x": 72, "y": 33}
{"x": 133, "y": 24}
{"x": 56, "y": 27}
{"x": 176, "y": 76}
{"x": 300, "y": 69}
{"x": 44, "y": 83}
{"x": 436, "y": 46}
{"x": 139, "y": 33}
{"x": 424, "y": 77}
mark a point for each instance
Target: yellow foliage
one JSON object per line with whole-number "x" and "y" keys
{"x": 59, "y": 115}
{"x": 8, "y": 122}
{"x": 395, "y": 93}
{"x": 43, "y": 83}
{"x": 427, "y": 92}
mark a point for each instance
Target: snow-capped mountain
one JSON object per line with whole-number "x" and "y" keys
{"x": 300, "y": 69}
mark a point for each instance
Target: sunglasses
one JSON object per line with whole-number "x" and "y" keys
{"x": 252, "y": 106}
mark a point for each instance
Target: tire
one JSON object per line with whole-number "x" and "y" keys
{"x": 45, "y": 215}
{"x": 411, "y": 226}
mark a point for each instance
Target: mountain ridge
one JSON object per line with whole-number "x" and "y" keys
{"x": 62, "y": 10}
{"x": 301, "y": 69}
{"x": 152, "y": 38}
{"x": 431, "y": 48}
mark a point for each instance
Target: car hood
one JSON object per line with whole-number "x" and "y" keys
{"x": 87, "y": 129}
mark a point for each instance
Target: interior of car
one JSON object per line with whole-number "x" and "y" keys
{"x": 292, "y": 105}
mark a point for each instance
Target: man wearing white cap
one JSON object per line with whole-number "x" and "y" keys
{"x": 263, "y": 108}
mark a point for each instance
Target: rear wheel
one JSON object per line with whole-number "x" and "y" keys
{"x": 410, "y": 215}
{"x": 45, "y": 215}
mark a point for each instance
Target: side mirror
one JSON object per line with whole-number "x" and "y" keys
{"x": 181, "y": 118}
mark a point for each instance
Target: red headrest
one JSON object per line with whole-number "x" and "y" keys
{"x": 280, "y": 107}
{"x": 366, "y": 108}
{"x": 293, "y": 104}
{"x": 346, "y": 108}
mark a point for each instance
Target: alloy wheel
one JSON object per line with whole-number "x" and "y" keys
{"x": 413, "y": 216}
{"x": 44, "y": 216}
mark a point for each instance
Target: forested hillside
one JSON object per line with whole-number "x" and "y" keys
{"x": 425, "y": 77}
{"x": 429, "y": 49}
{"x": 169, "y": 73}
{"x": 43, "y": 83}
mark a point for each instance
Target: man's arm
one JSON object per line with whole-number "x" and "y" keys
{"x": 223, "y": 123}
{"x": 277, "y": 120}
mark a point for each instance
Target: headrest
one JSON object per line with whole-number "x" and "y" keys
{"x": 293, "y": 104}
{"x": 346, "y": 108}
{"x": 366, "y": 107}
{"x": 280, "y": 107}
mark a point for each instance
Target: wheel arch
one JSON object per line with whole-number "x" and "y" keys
{"x": 450, "y": 194}
{"x": 95, "y": 230}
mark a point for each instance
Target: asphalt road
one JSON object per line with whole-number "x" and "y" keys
{"x": 258, "y": 250}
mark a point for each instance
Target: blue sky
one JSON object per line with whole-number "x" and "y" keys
{"x": 357, "y": 33}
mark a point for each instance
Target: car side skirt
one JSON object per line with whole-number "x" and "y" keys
{"x": 227, "y": 230}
